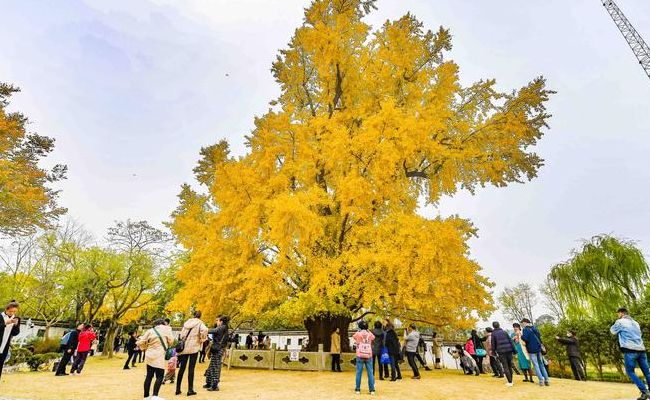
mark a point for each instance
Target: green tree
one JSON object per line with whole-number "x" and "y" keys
{"x": 44, "y": 292}
{"x": 604, "y": 274}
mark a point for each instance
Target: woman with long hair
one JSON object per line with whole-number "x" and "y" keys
{"x": 479, "y": 349}
{"x": 523, "y": 359}
{"x": 394, "y": 350}
{"x": 219, "y": 343}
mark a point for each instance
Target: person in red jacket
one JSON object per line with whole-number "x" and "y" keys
{"x": 86, "y": 338}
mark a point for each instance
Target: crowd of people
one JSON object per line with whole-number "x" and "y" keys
{"x": 377, "y": 351}
{"x": 255, "y": 342}
{"x": 167, "y": 358}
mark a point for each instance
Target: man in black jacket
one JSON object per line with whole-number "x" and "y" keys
{"x": 68, "y": 350}
{"x": 575, "y": 358}
{"x": 503, "y": 347}
{"x": 9, "y": 327}
{"x": 130, "y": 348}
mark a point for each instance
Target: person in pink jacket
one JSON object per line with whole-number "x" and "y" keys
{"x": 363, "y": 339}
{"x": 86, "y": 337}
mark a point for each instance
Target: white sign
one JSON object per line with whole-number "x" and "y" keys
{"x": 294, "y": 355}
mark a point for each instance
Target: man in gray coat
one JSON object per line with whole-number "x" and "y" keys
{"x": 412, "y": 341}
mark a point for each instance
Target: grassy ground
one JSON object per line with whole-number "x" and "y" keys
{"x": 104, "y": 379}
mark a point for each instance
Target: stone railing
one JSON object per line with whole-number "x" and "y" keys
{"x": 286, "y": 360}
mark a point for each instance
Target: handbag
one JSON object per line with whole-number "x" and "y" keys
{"x": 181, "y": 343}
{"x": 481, "y": 352}
{"x": 169, "y": 352}
{"x": 385, "y": 357}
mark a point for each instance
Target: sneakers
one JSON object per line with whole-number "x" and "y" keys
{"x": 547, "y": 383}
{"x": 644, "y": 396}
{"x": 510, "y": 384}
{"x": 416, "y": 377}
{"x": 357, "y": 392}
{"x": 372, "y": 393}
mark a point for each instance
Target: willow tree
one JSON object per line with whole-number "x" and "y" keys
{"x": 318, "y": 222}
{"x": 604, "y": 274}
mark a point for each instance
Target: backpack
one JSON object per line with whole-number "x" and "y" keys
{"x": 65, "y": 339}
{"x": 364, "y": 349}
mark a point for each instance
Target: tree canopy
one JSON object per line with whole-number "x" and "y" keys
{"x": 319, "y": 218}
{"x": 27, "y": 202}
{"x": 604, "y": 274}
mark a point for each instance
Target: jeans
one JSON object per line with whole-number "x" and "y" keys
{"x": 395, "y": 373}
{"x": 371, "y": 378}
{"x": 184, "y": 360}
{"x": 631, "y": 361}
{"x": 410, "y": 356}
{"x": 506, "y": 364}
{"x": 151, "y": 371}
{"x": 383, "y": 368}
{"x": 576, "y": 368}
{"x": 79, "y": 362}
{"x": 540, "y": 369}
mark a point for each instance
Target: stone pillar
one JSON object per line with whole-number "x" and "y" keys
{"x": 230, "y": 355}
{"x": 321, "y": 358}
{"x": 272, "y": 356}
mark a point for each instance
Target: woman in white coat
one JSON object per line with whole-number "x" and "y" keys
{"x": 155, "y": 342}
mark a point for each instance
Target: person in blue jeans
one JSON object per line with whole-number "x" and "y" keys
{"x": 363, "y": 339}
{"x": 533, "y": 339}
{"x": 633, "y": 349}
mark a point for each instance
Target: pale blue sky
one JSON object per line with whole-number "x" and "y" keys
{"x": 137, "y": 87}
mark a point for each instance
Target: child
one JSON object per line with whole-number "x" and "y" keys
{"x": 171, "y": 368}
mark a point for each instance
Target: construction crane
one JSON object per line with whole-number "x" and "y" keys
{"x": 636, "y": 42}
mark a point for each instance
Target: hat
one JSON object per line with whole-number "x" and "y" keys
{"x": 525, "y": 320}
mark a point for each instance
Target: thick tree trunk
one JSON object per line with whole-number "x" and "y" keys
{"x": 320, "y": 329}
{"x": 110, "y": 338}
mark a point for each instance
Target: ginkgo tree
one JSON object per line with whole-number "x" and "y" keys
{"x": 27, "y": 200}
{"x": 318, "y": 221}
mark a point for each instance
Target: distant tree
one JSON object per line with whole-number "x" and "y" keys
{"x": 544, "y": 319}
{"x": 604, "y": 274}
{"x": 517, "y": 302}
{"x": 26, "y": 201}
{"x": 552, "y": 299}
